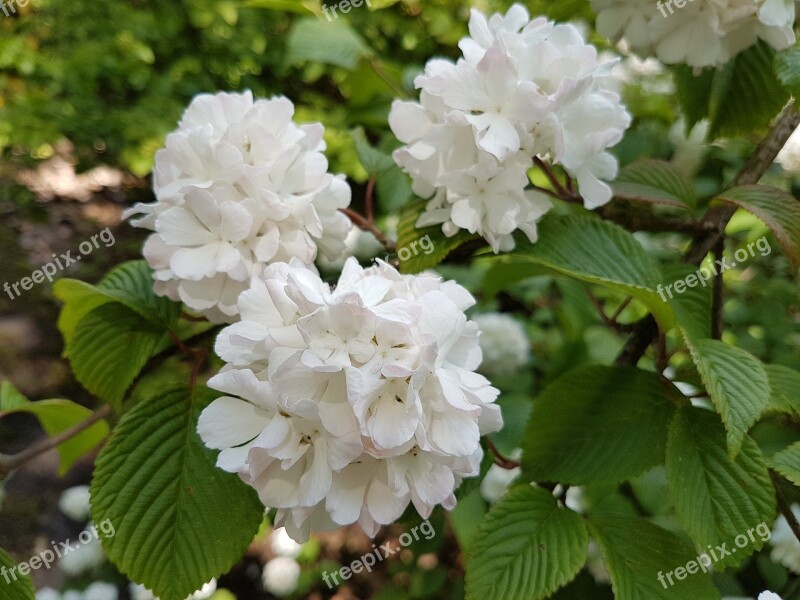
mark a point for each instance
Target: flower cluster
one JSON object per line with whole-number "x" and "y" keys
{"x": 504, "y": 344}
{"x": 700, "y": 33}
{"x": 345, "y": 405}
{"x": 238, "y": 186}
{"x": 522, "y": 89}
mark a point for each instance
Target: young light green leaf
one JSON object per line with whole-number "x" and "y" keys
{"x": 598, "y": 252}
{"x": 57, "y": 416}
{"x": 179, "y": 520}
{"x": 10, "y": 397}
{"x": 654, "y": 181}
{"x": 335, "y": 43}
{"x": 15, "y": 585}
{"x": 787, "y": 67}
{"x": 716, "y": 498}
{"x": 787, "y": 463}
{"x": 737, "y": 383}
{"x": 779, "y": 210}
{"x": 615, "y": 419}
{"x": 526, "y": 548}
{"x": 642, "y": 559}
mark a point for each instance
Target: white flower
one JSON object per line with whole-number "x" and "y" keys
{"x": 280, "y": 576}
{"x": 72, "y": 595}
{"x": 47, "y": 594}
{"x": 100, "y": 591}
{"x": 496, "y": 482}
{"x": 700, "y": 33}
{"x": 503, "y": 342}
{"x": 204, "y": 592}
{"x": 74, "y": 503}
{"x": 769, "y": 596}
{"x": 346, "y": 404}
{"x": 789, "y": 156}
{"x": 139, "y": 592}
{"x": 785, "y": 546}
{"x": 83, "y": 558}
{"x": 238, "y": 186}
{"x": 522, "y": 89}
{"x": 283, "y": 545}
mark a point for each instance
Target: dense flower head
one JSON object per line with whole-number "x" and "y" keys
{"x": 701, "y": 33}
{"x": 238, "y": 186}
{"x": 346, "y": 404}
{"x": 504, "y": 344}
{"x": 521, "y": 89}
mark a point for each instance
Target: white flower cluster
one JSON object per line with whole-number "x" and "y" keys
{"x": 700, "y": 33}
{"x": 345, "y": 405}
{"x": 96, "y": 591}
{"x": 74, "y": 503}
{"x": 785, "y": 546}
{"x": 522, "y": 89}
{"x": 238, "y": 186}
{"x": 504, "y": 344}
{"x": 139, "y": 592}
{"x": 280, "y": 576}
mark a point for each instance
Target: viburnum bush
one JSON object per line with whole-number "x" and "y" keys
{"x": 539, "y": 276}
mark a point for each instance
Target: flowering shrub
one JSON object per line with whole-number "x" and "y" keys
{"x": 507, "y": 325}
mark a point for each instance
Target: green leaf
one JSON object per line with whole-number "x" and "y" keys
{"x": 110, "y": 347}
{"x": 594, "y": 251}
{"x": 57, "y": 416}
{"x": 787, "y": 67}
{"x": 335, "y": 43}
{"x": 787, "y": 463}
{"x": 692, "y": 308}
{"x": 302, "y": 7}
{"x": 742, "y": 96}
{"x": 16, "y": 586}
{"x": 413, "y": 243}
{"x": 10, "y": 397}
{"x": 716, "y": 498}
{"x": 179, "y": 520}
{"x": 654, "y": 181}
{"x": 130, "y": 284}
{"x": 737, "y": 383}
{"x": 637, "y": 552}
{"x": 375, "y": 162}
{"x": 779, "y": 210}
{"x": 526, "y": 548}
{"x": 784, "y": 386}
{"x": 597, "y": 424}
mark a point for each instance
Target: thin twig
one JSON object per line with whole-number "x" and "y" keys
{"x": 368, "y": 200}
{"x": 501, "y": 461}
{"x": 11, "y": 463}
{"x": 362, "y": 223}
{"x": 718, "y": 302}
{"x": 563, "y": 193}
{"x": 610, "y": 322}
{"x": 622, "y": 307}
{"x": 715, "y": 221}
{"x": 784, "y": 507}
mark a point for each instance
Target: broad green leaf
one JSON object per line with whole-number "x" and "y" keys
{"x": 297, "y": 6}
{"x": 787, "y": 67}
{"x": 742, "y": 96}
{"x": 424, "y": 248}
{"x": 110, "y": 347}
{"x": 787, "y": 463}
{"x": 506, "y": 272}
{"x": 654, "y": 181}
{"x": 334, "y": 42}
{"x": 737, "y": 383}
{"x": 14, "y": 585}
{"x": 779, "y": 210}
{"x": 375, "y": 162}
{"x": 692, "y": 307}
{"x": 179, "y": 520}
{"x": 614, "y": 418}
{"x": 526, "y": 548}
{"x": 130, "y": 284}
{"x": 57, "y": 416}
{"x": 10, "y": 397}
{"x": 717, "y": 498}
{"x": 594, "y": 251}
{"x": 642, "y": 559}
{"x": 784, "y": 386}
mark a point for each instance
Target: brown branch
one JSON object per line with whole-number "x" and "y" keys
{"x": 501, "y": 461}
{"x": 716, "y": 219}
{"x": 563, "y": 193}
{"x": 718, "y": 302}
{"x": 609, "y": 322}
{"x": 368, "y": 200}
{"x": 13, "y": 462}
{"x": 364, "y": 224}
